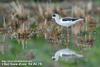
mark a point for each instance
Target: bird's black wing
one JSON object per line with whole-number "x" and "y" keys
{"x": 69, "y": 19}
{"x": 67, "y": 55}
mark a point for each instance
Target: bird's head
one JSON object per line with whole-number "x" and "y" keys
{"x": 54, "y": 58}
{"x": 54, "y": 16}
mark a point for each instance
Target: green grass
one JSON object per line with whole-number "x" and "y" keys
{"x": 44, "y": 51}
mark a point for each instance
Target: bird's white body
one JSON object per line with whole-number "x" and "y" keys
{"x": 66, "y": 23}
{"x": 67, "y": 53}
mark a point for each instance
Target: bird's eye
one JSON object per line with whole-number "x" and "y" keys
{"x": 54, "y": 15}
{"x": 53, "y": 58}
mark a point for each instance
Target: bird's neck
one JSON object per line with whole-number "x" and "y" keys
{"x": 57, "y": 20}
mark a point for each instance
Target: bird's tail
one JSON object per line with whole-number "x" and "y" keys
{"x": 79, "y": 21}
{"x": 83, "y": 18}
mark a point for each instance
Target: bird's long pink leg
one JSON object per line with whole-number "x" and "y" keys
{"x": 76, "y": 40}
{"x": 76, "y": 30}
{"x": 68, "y": 38}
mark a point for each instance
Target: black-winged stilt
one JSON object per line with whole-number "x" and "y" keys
{"x": 68, "y": 53}
{"x": 68, "y": 22}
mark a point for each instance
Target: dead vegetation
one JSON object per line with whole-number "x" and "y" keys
{"x": 19, "y": 21}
